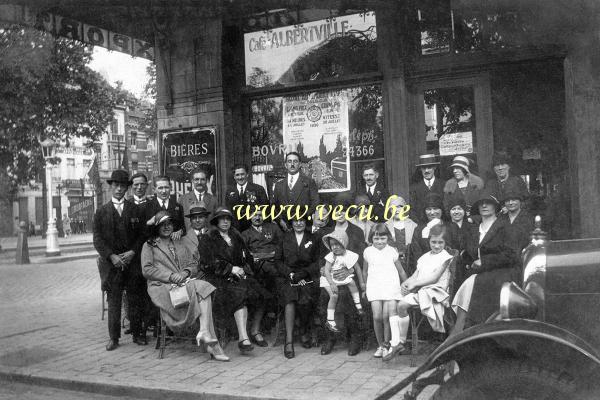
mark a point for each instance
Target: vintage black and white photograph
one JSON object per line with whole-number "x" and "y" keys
{"x": 299, "y": 199}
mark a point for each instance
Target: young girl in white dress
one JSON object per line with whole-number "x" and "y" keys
{"x": 340, "y": 258}
{"x": 383, "y": 273}
{"x": 427, "y": 288}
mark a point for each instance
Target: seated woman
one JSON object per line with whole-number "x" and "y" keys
{"x": 490, "y": 260}
{"x": 298, "y": 281}
{"x": 427, "y": 288}
{"x": 165, "y": 263}
{"x": 459, "y": 228}
{"x": 227, "y": 264}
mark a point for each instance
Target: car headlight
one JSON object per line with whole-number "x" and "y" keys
{"x": 516, "y": 303}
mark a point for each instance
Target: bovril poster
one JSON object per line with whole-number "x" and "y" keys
{"x": 316, "y": 126}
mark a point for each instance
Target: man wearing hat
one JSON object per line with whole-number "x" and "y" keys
{"x": 426, "y": 184}
{"x": 519, "y": 223}
{"x": 244, "y": 193}
{"x": 118, "y": 240}
{"x": 504, "y": 182}
{"x": 197, "y": 216}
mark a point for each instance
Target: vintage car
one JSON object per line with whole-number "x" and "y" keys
{"x": 543, "y": 343}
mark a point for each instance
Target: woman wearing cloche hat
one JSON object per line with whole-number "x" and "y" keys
{"x": 463, "y": 183}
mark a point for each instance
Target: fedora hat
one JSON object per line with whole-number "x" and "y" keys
{"x": 428, "y": 160}
{"x": 198, "y": 211}
{"x": 221, "y": 212}
{"x": 119, "y": 176}
{"x": 485, "y": 197}
{"x": 159, "y": 218}
{"x": 461, "y": 162}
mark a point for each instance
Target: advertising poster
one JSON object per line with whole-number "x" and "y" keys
{"x": 184, "y": 150}
{"x": 316, "y": 126}
{"x": 316, "y": 50}
{"x": 456, "y": 143}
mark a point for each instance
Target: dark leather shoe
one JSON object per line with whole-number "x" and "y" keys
{"x": 112, "y": 344}
{"x": 306, "y": 343}
{"x": 327, "y": 347}
{"x": 140, "y": 340}
{"x": 353, "y": 348}
{"x": 244, "y": 347}
{"x": 259, "y": 342}
{"x": 288, "y": 350}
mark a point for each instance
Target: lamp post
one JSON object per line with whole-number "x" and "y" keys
{"x": 52, "y": 248}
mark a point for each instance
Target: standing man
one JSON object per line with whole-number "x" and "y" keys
{"x": 504, "y": 182}
{"x": 428, "y": 183}
{"x": 244, "y": 193}
{"x": 375, "y": 191}
{"x": 118, "y": 240}
{"x": 199, "y": 196}
{"x": 139, "y": 184}
{"x": 164, "y": 201}
{"x": 296, "y": 189}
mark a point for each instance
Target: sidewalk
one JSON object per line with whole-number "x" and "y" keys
{"x": 35, "y": 242}
{"x": 75, "y": 247}
{"x": 51, "y": 334}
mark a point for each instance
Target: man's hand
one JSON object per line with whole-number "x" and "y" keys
{"x": 117, "y": 261}
{"x": 127, "y": 256}
{"x": 177, "y": 235}
{"x": 476, "y": 265}
{"x": 238, "y": 271}
{"x": 342, "y": 274}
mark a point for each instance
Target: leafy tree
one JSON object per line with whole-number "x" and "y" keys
{"x": 46, "y": 91}
{"x": 150, "y": 121}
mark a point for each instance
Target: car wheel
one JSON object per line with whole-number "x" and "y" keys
{"x": 506, "y": 379}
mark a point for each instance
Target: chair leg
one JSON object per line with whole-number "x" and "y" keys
{"x": 414, "y": 330}
{"x": 163, "y": 338}
{"x": 103, "y": 304}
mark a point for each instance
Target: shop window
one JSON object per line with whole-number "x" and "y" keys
{"x": 133, "y": 138}
{"x": 114, "y": 127}
{"x": 335, "y": 132}
{"x": 313, "y": 50}
{"x": 449, "y": 116}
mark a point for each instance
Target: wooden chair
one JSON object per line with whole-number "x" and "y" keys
{"x": 414, "y": 312}
{"x": 163, "y": 331}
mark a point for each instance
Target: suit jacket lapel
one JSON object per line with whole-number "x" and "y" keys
{"x": 491, "y": 232}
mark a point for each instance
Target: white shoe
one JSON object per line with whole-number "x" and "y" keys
{"x": 379, "y": 352}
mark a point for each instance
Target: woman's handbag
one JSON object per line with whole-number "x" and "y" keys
{"x": 179, "y": 295}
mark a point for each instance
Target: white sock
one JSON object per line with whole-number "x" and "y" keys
{"x": 395, "y": 328}
{"x": 356, "y": 298}
{"x": 403, "y": 323}
{"x": 331, "y": 315}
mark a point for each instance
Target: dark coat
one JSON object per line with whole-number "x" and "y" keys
{"x": 378, "y": 199}
{"x": 304, "y": 193}
{"x": 175, "y": 210}
{"x": 254, "y": 195}
{"x": 499, "y": 264}
{"x": 459, "y": 236}
{"x": 519, "y": 230}
{"x": 512, "y": 184}
{"x": 299, "y": 259}
{"x": 418, "y": 193}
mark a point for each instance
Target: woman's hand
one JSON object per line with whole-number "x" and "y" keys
{"x": 178, "y": 277}
{"x": 238, "y": 271}
{"x": 334, "y": 289}
{"x": 476, "y": 265}
{"x": 341, "y": 274}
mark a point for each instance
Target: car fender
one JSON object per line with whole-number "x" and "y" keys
{"x": 505, "y": 338}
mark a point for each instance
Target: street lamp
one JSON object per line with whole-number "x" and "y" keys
{"x": 52, "y": 248}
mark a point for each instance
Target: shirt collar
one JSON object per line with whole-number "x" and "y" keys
{"x": 161, "y": 201}
{"x": 371, "y": 188}
{"x": 138, "y": 199}
{"x": 429, "y": 180}
{"x": 119, "y": 202}
{"x": 243, "y": 187}
{"x": 197, "y": 193}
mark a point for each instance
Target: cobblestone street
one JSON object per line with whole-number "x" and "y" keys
{"x": 50, "y": 330}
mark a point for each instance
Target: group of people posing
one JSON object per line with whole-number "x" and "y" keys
{"x": 327, "y": 276}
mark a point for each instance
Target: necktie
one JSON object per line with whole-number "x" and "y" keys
{"x": 241, "y": 192}
{"x": 119, "y": 207}
{"x": 428, "y": 181}
{"x": 291, "y": 183}
{"x": 164, "y": 205}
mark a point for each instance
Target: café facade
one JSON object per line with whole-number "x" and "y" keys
{"x": 351, "y": 83}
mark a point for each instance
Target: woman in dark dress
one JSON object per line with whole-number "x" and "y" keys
{"x": 459, "y": 228}
{"x": 519, "y": 223}
{"x": 490, "y": 260}
{"x": 298, "y": 281}
{"x": 227, "y": 264}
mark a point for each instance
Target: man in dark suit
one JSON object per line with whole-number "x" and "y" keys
{"x": 296, "y": 189}
{"x": 244, "y": 193}
{"x": 375, "y": 191}
{"x": 117, "y": 239}
{"x": 199, "y": 196}
{"x": 164, "y": 201}
{"x": 504, "y": 182}
{"x": 426, "y": 184}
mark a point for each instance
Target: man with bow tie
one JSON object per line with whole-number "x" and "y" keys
{"x": 375, "y": 191}
{"x": 426, "y": 184}
{"x": 296, "y": 190}
{"x": 118, "y": 240}
{"x": 164, "y": 201}
{"x": 244, "y": 193}
{"x": 199, "y": 196}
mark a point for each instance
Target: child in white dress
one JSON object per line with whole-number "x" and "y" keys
{"x": 340, "y": 258}
{"x": 383, "y": 274}
{"x": 427, "y": 287}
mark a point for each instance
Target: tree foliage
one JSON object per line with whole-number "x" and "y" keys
{"x": 46, "y": 91}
